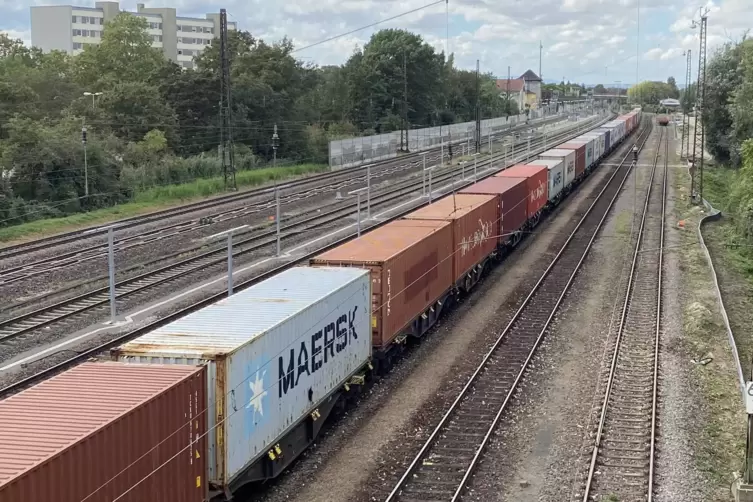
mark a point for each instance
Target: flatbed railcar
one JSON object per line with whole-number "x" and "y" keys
{"x": 274, "y": 407}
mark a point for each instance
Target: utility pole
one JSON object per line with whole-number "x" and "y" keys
{"x": 478, "y": 109}
{"x": 697, "y": 179}
{"x": 86, "y": 165}
{"x": 508, "y": 93}
{"x": 541, "y": 48}
{"x": 275, "y": 145}
{"x": 405, "y": 99}
{"x": 685, "y": 119}
{"x": 226, "y": 123}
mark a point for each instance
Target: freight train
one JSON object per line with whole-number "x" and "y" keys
{"x": 233, "y": 393}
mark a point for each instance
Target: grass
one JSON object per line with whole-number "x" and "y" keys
{"x": 719, "y": 438}
{"x": 150, "y": 200}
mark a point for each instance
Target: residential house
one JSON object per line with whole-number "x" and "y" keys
{"x": 524, "y": 90}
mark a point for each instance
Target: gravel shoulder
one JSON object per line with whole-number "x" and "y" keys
{"x": 702, "y": 421}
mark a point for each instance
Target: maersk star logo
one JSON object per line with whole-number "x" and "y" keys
{"x": 256, "y": 386}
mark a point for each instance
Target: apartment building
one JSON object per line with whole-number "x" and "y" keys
{"x": 70, "y": 28}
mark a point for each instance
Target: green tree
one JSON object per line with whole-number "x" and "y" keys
{"x": 125, "y": 54}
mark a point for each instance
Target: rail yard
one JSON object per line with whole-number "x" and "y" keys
{"x": 325, "y": 252}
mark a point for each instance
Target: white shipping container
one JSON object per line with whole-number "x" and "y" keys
{"x": 556, "y": 171}
{"x": 274, "y": 351}
{"x": 598, "y": 143}
{"x": 568, "y": 159}
{"x": 589, "y": 142}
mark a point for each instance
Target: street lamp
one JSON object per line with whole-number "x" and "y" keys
{"x": 86, "y": 166}
{"x": 229, "y": 234}
{"x": 275, "y": 145}
{"x": 93, "y": 94}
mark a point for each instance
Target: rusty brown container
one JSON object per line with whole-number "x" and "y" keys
{"x": 106, "y": 430}
{"x": 537, "y": 179}
{"x": 512, "y": 194}
{"x": 474, "y": 221}
{"x": 580, "y": 155}
{"x": 411, "y": 268}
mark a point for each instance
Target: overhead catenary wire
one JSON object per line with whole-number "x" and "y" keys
{"x": 371, "y": 25}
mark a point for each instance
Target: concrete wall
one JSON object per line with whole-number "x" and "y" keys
{"x": 51, "y": 28}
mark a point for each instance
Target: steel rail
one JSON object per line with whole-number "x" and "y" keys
{"x": 400, "y": 189}
{"x": 20, "y": 272}
{"x": 120, "y": 339}
{"x": 441, "y": 428}
{"x": 99, "y": 230}
{"x": 622, "y": 326}
{"x": 18, "y": 326}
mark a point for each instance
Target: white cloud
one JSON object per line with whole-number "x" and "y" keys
{"x": 584, "y": 40}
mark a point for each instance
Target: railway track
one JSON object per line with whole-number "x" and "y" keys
{"x": 20, "y": 327}
{"x": 443, "y": 466}
{"x": 333, "y": 181}
{"x": 622, "y": 458}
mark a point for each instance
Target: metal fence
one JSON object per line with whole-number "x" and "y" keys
{"x": 356, "y": 151}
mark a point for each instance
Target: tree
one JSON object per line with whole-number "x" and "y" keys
{"x": 650, "y": 93}
{"x": 675, "y": 92}
{"x": 125, "y": 54}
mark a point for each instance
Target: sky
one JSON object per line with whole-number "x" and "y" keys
{"x": 584, "y": 41}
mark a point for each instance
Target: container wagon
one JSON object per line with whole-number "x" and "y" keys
{"x": 580, "y": 157}
{"x": 567, "y": 157}
{"x": 279, "y": 357}
{"x": 411, "y": 279}
{"x": 555, "y": 179}
{"x": 512, "y": 197}
{"x": 263, "y": 368}
{"x": 537, "y": 179}
{"x": 106, "y": 430}
{"x": 473, "y": 220}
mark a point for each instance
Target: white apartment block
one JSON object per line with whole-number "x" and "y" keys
{"x": 70, "y": 28}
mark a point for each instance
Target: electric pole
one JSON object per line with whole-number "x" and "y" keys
{"x": 508, "y": 91}
{"x": 541, "y": 48}
{"x": 478, "y": 109}
{"x": 685, "y": 142}
{"x": 405, "y": 99}
{"x": 226, "y": 123}
{"x": 697, "y": 179}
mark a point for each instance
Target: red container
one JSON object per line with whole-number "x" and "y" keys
{"x": 411, "y": 268}
{"x": 101, "y": 429}
{"x": 513, "y": 201}
{"x": 580, "y": 155}
{"x": 537, "y": 179}
{"x": 475, "y": 227}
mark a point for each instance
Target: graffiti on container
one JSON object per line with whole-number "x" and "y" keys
{"x": 319, "y": 350}
{"x": 557, "y": 179}
{"x": 477, "y": 238}
{"x": 570, "y": 166}
{"x": 539, "y": 192}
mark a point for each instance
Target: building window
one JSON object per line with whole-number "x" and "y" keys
{"x": 92, "y": 20}
{"x": 84, "y": 33}
{"x": 101, "y": 21}
{"x": 76, "y": 33}
{"x": 76, "y": 46}
{"x": 73, "y": 19}
{"x": 84, "y": 20}
{"x": 157, "y": 38}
